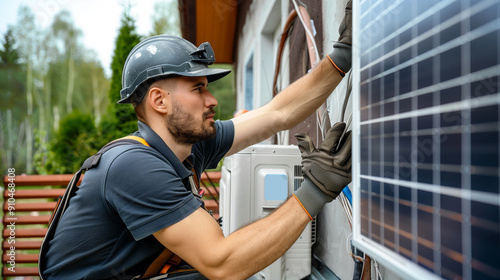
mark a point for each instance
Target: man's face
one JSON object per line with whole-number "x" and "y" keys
{"x": 192, "y": 114}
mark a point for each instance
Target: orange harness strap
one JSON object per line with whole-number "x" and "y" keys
{"x": 158, "y": 263}
{"x": 137, "y": 138}
{"x": 174, "y": 260}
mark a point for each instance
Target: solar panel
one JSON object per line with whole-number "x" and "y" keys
{"x": 426, "y": 144}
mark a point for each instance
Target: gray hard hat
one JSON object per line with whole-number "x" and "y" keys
{"x": 160, "y": 56}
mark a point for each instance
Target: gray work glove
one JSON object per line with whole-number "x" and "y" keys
{"x": 341, "y": 55}
{"x": 345, "y": 28}
{"x": 327, "y": 169}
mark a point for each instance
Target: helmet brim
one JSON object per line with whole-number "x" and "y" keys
{"x": 212, "y": 74}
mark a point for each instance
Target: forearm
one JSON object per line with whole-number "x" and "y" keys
{"x": 304, "y": 96}
{"x": 265, "y": 240}
{"x": 198, "y": 240}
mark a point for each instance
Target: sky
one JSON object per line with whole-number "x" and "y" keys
{"x": 98, "y": 19}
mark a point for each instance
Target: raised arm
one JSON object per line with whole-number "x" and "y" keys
{"x": 301, "y": 98}
{"x": 288, "y": 108}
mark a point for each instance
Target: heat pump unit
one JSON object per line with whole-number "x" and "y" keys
{"x": 255, "y": 182}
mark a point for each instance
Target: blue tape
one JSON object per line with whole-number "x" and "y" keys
{"x": 347, "y": 193}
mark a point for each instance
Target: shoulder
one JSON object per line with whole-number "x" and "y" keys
{"x": 131, "y": 164}
{"x": 225, "y": 129}
{"x": 136, "y": 152}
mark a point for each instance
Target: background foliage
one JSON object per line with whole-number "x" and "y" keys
{"x": 120, "y": 119}
{"x": 58, "y": 106}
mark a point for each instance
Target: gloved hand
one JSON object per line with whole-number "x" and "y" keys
{"x": 327, "y": 169}
{"x": 345, "y": 28}
{"x": 341, "y": 55}
{"x": 329, "y": 166}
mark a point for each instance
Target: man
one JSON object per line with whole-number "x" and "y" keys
{"x": 140, "y": 199}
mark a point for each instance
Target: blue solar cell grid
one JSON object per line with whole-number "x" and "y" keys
{"x": 429, "y": 133}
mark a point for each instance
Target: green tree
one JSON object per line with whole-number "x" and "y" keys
{"x": 26, "y": 33}
{"x": 166, "y": 18}
{"x": 11, "y": 80}
{"x": 120, "y": 119}
{"x": 60, "y": 74}
{"x": 62, "y": 89}
{"x": 91, "y": 87}
{"x": 71, "y": 145}
{"x": 65, "y": 37}
{"x": 9, "y": 56}
{"x": 13, "y": 105}
{"x": 224, "y": 91}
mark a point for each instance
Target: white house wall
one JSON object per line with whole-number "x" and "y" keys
{"x": 260, "y": 37}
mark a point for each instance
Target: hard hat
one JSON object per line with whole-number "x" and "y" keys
{"x": 160, "y": 56}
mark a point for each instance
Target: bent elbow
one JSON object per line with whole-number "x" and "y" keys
{"x": 223, "y": 270}
{"x": 224, "y": 274}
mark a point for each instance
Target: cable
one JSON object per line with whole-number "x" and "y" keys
{"x": 349, "y": 121}
{"x": 347, "y": 94}
{"x": 302, "y": 12}
{"x": 379, "y": 275}
{"x": 281, "y": 137}
{"x": 359, "y": 257}
{"x": 349, "y": 248}
{"x": 344, "y": 106}
{"x": 284, "y": 35}
{"x": 348, "y": 244}
{"x": 347, "y": 207}
{"x": 304, "y": 18}
{"x": 321, "y": 120}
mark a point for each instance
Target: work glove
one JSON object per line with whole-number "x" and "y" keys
{"x": 327, "y": 169}
{"x": 345, "y": 28}
{"x": 341, "y": 55}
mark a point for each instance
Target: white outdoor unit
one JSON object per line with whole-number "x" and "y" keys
{"x": 255, "y": 182}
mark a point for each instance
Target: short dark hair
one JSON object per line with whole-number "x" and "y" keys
{"x": 167, "y": 83}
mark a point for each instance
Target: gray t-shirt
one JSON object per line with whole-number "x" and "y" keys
{"x": 136, "y": 190}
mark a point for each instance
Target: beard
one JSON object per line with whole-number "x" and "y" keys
{"x": 182, "y": 125}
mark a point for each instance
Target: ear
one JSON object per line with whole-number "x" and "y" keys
{"x": 158, "y": 99}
